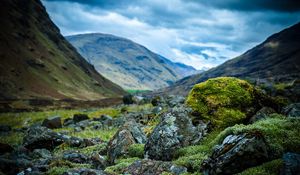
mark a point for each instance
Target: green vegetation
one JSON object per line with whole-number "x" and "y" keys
{"x": 120, "y": 165}
{"x": 269, "y": 168}
{"x": 280, "y": 133}
{"x": 136, "y": 91}
{"x": 136, "y": 150}
{"x": 222, "y": 100}
{"x": 58, "y": 167}
{"x": 191, "y": 157}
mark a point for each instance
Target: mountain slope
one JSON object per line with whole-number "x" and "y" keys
{"x": 37, "y": 62}
{"x": 276, "y": 60}
{"x": 126, "y": 63}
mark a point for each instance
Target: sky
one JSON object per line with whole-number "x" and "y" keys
{"x": 199, "y": 33}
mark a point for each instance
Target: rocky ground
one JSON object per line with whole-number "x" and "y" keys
{"x": 237, "y": 134}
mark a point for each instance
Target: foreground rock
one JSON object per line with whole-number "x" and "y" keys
{"x": 292, "y": 110}
{"x": 41, "y": 137}
{"x": 262, "y": 114}
{"x": 235, "y": 154}
{"x": 84, "y": 171}
{"x": 80, "y": 117}
{"x": 152, "y": 167}
{"x": 52, "y": 122}
{"x": 127, "y": 135}
{"x": 291, "y": 164}
{"x": 174, "y": 131}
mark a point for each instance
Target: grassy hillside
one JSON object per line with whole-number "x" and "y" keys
{"x": 37, "y": 62}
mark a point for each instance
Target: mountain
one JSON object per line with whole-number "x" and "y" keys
{"x": 127, "y": 63}
{"x": 38, "y": 63}
{"x": 275, "y": 61}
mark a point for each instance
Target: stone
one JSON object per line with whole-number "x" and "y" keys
{"x": 52, "y": 122}
{"x": 42, "y": 153}
{"x": 128, "y": 99}
{"x": 98, "y": 161}
{"x": 173, "y": 132}
{"x": 80, "y": 117}
{"x": 236, "y": 153}
{"x": 292, "y": 110}
{"x": 68, "y": 121}
{"x": 127, "y": 135}
{"x": 4, "y": 128}
{"x": 84, "y": 171}
{"x": 291, "y": 164}
{"x": 5, "y": 148}
{"x": 156, "y": 110}
{"x": 153, "y": 167}
{"x": 174, "y": 100}
{"x": 15, "y": 166}
{"x": 262, "y": 114}
{"x": 38, "y": 137}
{"x": 75, "y": 157}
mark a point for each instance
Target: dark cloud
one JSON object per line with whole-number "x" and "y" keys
{"x": 254, "y": 5}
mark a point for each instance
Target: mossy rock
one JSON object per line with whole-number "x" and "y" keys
{"x": 224, "y": 101}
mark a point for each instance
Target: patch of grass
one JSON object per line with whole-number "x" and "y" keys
{"x": 104, "y": 134}
{"x": 280, "y": 133}
{"x": 58, "y": 151}
{"x": 222, "y": 100}
{"x": 191, "y": 157}
{"x": 283, "y": 86}
{"x": 269, "y": 168}
{"x": 136, "y": 150}
{"x": 135, "y": 91}
{"x": 139, "y": 108}
{"x": 120, "y": 165}
{"x": 58, "y": 167}
{"x": 13, "y": 138}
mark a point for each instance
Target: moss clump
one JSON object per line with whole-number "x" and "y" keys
{"x": 136, "y": 150}
{"x": 120, "y": 165}
{"x": 224, "y": 100}
{"x": 269, "y": 168}
{"x": 280, "y": 133}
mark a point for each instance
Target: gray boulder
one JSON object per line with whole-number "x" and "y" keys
{"x": 38, "y": 137}
{"x": 42, "y": 153}
{"x": 98, "y": 161}
{"x": 84, "y": 171}
{"x": 153, "y": 167}
{"x": 127, "y": 135}
{"x": 80, "y": 117}
{"x": 292, "y": 110}
{"x": 235, "y": 154}
{"x": 174, "y": 131}
{"x": 291, "y": 164}
{"x": 75, "y": 157}
{"x": 52, "y": 122}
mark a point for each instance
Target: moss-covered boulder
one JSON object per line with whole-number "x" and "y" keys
{"x": 224, "y": 101}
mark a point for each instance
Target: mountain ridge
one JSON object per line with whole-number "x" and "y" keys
{"x": 128, "y": 63}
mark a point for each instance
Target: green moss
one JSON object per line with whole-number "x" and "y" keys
{"x": 13, "y": 138}
{"x": 57, "y": 170}
{"x": 269, "y": 168}
{"x": 222, "y": 100}
{"x": 136, "y": 150}
{"x": 120, "y": 165}
{"x": 191, "y": 157}
{"x": 280, "y": 133}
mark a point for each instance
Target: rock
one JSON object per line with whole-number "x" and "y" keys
{"x": 106, "y": 120}
{"x": 84, "y": 171}
{"x": 78, "y": 129}
{"x": 98, "y": 161}
{"x": 235, "y": 154}
{"x": 127, "y": 135}
{"x": 42, "y": 153}
{"x": 128, "y": 99}
{"x": 292, "y": 110}
{"x": 174, "y": 100}
{"x": 5, "y": 128}
{"x": 68, "y": 121}
{"x": 291, "y": 164}
{"x": 152, "y": 167}
{"x": 41, "y": 137}
{"x": 80, "y": 117}
{"x": 14, "y": 166}
{"x": 156, "y": 110}
{"x": 138, "y": 99}
{"x": 75, "y": 157}
{"x": 262, "y": 114}
{"x": 52, "y": 122}
{"x": 5, "y": 148}
{"x": 174, "y": 131}
{"x": 155, "y": 101}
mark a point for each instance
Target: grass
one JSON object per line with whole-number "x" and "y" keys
{"x": 120, "y": 165}
{"x": 135, "y": 91}
{"x": 136, "y": 150}
{"x": 269, "y": 168}
{"x": 191, "y": 157}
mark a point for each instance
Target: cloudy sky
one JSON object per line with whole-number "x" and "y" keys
{"x": 200, "y": 33}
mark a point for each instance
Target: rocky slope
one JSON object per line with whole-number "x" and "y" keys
{"x": 37, "y": 62}
{"x": 127, "y": 63}
{"x": 275, "y": 61}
